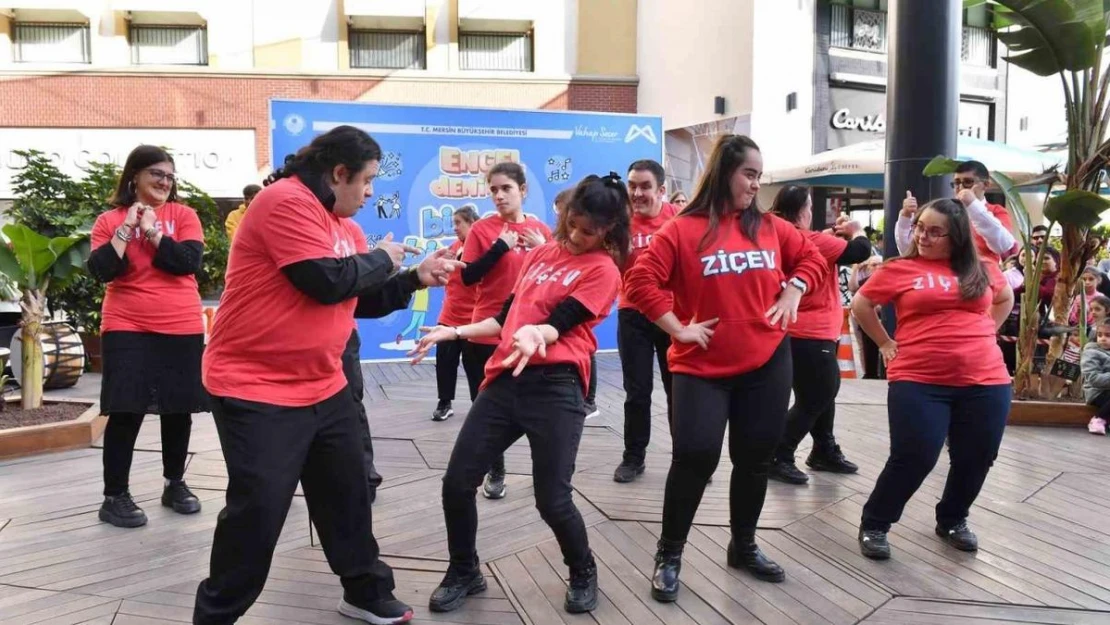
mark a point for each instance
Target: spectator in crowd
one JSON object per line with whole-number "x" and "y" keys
{"x": 1095, "y": 367}
{"x": 235, "y": 217}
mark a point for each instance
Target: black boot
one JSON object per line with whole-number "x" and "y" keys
{"x": 668, "y": 564}
{"x": 582, "y": 590}
{"x": 177, "y": 495}
{"x": 743, "y": 553}
{"x": 121, "y": 511}
{"x": 456, "y": 586}
{"x": 828, "y": 457}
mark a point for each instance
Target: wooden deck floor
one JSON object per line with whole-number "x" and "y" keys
{"x": 1042, "y": 521}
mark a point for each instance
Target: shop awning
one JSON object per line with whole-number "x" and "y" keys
{"x": 862, "y": 165}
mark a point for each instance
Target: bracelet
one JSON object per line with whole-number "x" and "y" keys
{"x": 123, "y": 234}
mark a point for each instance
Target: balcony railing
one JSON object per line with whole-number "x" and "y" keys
{"x": 861, "y": 29}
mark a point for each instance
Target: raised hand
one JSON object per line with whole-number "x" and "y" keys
{"x": 432, "y": 335}
{"x": 533, "y": 238}
{"x": 909, "y": 205}
{"x": 509, "y": 237}
{"x": 437, "y": 266}
{"x": 697, "y": 332}
{"x": 396, "y": 251}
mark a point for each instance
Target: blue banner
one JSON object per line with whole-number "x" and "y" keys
{"x": 435, "y": 160}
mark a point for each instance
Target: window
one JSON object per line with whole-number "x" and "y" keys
{"x": 510, "y": 52}
{"x": 859, "y": 29}
{"x": 387, "y": 49}
{"x": 36, "y": 42}
{"x": 169, "y": 45}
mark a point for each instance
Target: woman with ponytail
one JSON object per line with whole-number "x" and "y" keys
{"x": 535, "y": 384}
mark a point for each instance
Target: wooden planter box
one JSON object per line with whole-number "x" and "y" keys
{"x": 33, "y": 439}
{"x": 1029, "y": 412}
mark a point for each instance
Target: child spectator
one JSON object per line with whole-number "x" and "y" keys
{"x": 1095, "y": 365}
{"x": 1099, "y": 309}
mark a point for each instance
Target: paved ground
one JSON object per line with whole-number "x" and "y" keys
{"x": 1041, "y": 520}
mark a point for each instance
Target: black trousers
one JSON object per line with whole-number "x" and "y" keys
{"x": 753, "y": 405}
{"x": 448, "y": 354}
{"x": 352, "y": 370}
{"x": 921, "y": 417}
{"x": 591, "y": 388}
{"x": 268, "y": 449}
{"x": 544, "y": 404}
{"x": 641, "y": 343}
{"x": 475, "y": 356}
{"x": 119, "y": 448}
{"x": 816, "y": 383}
{"x": 1102, "y": 404}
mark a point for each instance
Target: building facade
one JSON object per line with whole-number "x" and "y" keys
{"x": 89, "y": 79}
{"x": 803, "y": 76}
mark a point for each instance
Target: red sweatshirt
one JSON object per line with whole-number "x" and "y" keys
{"x": 732, "y": 279}
{"x": 820, "y": 315}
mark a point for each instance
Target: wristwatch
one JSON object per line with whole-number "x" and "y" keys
{"x": 798, "y": 283}
{"x": 458, "y": 332}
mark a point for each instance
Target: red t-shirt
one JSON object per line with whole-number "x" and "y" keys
{"x": 732, "y": 279}
{"x": 643, "y": 229}
{"x": 985, "y": 252}
{"x": 820, "y": 315}
{"x": 550, "y": 275}
{"x": 270, "y": 342}
{"x": 494, "y": 288}
{"x": 942, "y": 338}
{"x": 144, "y": 298}
{"x": 458, "y": 299}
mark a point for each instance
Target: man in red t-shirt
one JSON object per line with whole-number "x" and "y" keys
{"x": 299, "y": 270}
{"x": 639, "y": 341}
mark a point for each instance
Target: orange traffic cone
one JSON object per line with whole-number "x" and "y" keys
{"x": 845, "y": 353}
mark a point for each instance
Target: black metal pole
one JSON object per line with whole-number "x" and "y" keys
{"x": 922, "y": 104}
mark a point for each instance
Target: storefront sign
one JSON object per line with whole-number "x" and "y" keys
{"x": 859, "y": 115}
{"x": 220, "y": 162}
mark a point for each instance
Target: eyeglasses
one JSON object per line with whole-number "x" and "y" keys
{"x": 928, "y": 233}
{"x": 160, "y": 176}
{"x": 966, "y": 183}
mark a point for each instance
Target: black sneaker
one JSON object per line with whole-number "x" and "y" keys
{"x": 122, "y": 511}
{"x": 582, "y": 590}
{"x": 178, "y": 496}
{"x": 443, "y": 411}
{"x": 873, "y": 544}
{"x": 628, "y": 471}
{"x": 380, "y": 612}
{"x": 959, "y": 536}
{"x": 454, "y": 589}
{"x": 830, "y": 459}
{"x": 787, "y": 472}
{"x": 493, "y": 487}
{"x": 591, "y": 410}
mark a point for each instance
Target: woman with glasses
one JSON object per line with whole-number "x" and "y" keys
{"x": 148, "y": 249}
{"x": 991, "y": 225}
{"x": 947, "y": 376}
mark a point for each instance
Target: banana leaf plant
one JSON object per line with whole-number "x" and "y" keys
{"x": 33, "y": 262}
{"x": 1066, "y": 38}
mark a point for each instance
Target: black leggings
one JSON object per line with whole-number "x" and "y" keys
{"x": 475, "y": 356}
{"x": 816, "y": 383}
{"x": 119, "y": 448}
{"x": 544, "y": 404}
{"x": 753, "y": 405}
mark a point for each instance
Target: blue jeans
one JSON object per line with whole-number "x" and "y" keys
{"x": 921, "y": 416}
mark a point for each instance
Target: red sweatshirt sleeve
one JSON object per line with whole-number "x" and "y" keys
{"x": 647, "y": 281}
{"x": 800, "y": 257}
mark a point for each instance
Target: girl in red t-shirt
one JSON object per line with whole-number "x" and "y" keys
{"x": 458, "y": 306}
{"x": 947, "y": 376}
{"x": 148, "y": 249}
{"x": 535, "y": 383}
{"x": 813, "y": 343}
{"x": 494, "y": 252}
{"x": 736, "y": 276}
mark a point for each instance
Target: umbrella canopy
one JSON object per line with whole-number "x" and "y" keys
{"x": 861, "y": 165}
